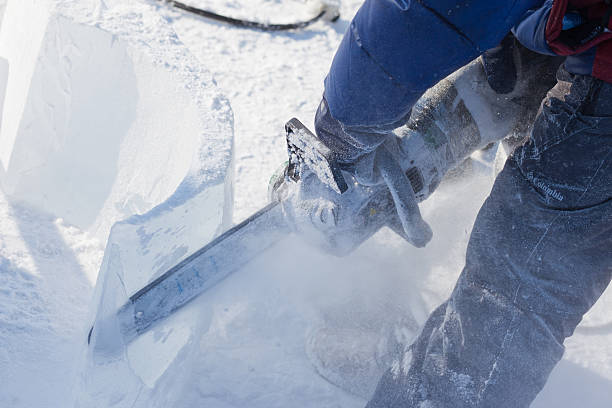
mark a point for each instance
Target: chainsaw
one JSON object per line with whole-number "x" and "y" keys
{"x": 363, "y": 210}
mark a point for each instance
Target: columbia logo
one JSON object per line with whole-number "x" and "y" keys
{"x": 549, "y": 191}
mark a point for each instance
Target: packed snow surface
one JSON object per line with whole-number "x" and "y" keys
{"x": 121, "y": 92}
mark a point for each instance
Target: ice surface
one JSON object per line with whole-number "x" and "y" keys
{"x": 138, "y": 250}
{"x": 105, "y": 114}
{"x": 165, "y": 148}
{"x": 2, "y": 8}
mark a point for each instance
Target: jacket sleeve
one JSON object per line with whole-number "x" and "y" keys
{"x": 531, "y": 33}
{"x": 531, "y": 30}
{"x": 394, "y": 50}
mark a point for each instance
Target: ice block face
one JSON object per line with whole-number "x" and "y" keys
{"x": 105, "y": 113}
{"x": 144, "y": 372}
{"x": 107, "y": 119}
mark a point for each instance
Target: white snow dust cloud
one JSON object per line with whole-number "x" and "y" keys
{"x": 254, "y": 350}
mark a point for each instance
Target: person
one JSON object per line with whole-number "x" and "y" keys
{"x": 539, "y": 253}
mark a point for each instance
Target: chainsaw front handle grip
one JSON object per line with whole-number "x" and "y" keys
{"x": 417, "y": 231}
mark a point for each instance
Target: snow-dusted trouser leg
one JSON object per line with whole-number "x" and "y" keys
{"x": 538, "y": 258}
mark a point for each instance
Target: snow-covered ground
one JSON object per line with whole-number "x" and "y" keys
{"x": 243, "y": 343}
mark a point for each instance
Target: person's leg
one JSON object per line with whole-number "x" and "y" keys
{"x": 538, "y": 258}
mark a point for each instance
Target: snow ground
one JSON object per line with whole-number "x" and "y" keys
{"x": 247, "y": 349}
{"x": 47, "y": 271}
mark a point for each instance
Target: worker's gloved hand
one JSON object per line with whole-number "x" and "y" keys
{"x": 373, "y": 157}
{"x": 499, "y": 64}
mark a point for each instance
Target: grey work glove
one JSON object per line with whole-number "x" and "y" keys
{"x": 373, "y": 157}
{"x": 500, "y": 65}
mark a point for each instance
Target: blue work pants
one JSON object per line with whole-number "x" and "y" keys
{"x": 539, "y": 257}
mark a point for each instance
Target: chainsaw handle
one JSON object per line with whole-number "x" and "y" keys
{"x": 306, "y": 151}
{"x": 416, "y": 230}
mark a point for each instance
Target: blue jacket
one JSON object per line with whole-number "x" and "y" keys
{"x": 394, "y": 50}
